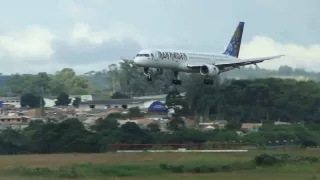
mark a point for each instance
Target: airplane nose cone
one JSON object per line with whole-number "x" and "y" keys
{"x": 137, "y": 60}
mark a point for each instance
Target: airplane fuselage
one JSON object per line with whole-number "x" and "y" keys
{"x": 177, "y": 60}
{"x": 207, "y": 64}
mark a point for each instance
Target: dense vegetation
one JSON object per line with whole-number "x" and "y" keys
{"x": 293, "y": 165}
{"x": 72, "y": 136}
{"x": 138, "y": 169}
{"x": 238, "y": 101}
{"x": 258, "y": 100}
{"x": 234, "y": 100}
{"x": 262, "y": 160}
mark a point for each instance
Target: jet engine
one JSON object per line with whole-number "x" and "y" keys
{"x": 209, "y": 70}
{"x": 152, "y": 71}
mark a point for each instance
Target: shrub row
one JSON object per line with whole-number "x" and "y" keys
{"x": 269, "y": 160}
{"x": 261, "y": 160}
{"x": 237, "y": 166}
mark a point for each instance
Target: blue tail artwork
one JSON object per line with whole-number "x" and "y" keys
{"x": 233, "y": 48}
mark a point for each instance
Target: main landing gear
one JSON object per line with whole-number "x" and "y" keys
{"x": 208, "y": 81}
{"x": 176, "y": 80}
{"x": 147, "y": 71}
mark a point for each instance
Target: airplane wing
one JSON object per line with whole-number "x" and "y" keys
{"x": 127, "y": 59}
{"x": 236, "y": 64}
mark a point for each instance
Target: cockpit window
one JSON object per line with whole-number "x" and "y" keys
{"x": 143, "y": 55}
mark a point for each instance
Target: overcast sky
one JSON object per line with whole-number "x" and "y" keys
{"x": 85, "y": 35}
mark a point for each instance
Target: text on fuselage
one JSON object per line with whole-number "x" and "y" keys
{"x": 172, "y": 55}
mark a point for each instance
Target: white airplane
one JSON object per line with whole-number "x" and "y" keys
{"x": 207, "y": 64}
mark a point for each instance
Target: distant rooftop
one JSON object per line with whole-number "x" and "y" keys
{"x": 9, "y": 98}
{"x": 120, "y": 101}
{"x": 156, "y": 96}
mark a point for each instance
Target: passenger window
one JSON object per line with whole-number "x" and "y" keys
{"x": 147, "y": 55}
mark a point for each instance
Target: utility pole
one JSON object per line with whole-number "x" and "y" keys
{"x": 41, "y": 107}
{"x": 41, "y": 102}
{"x": 113, "y": 82}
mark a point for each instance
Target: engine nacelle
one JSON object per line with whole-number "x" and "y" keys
{"x": 152, "y": 71}
{"x": 209, "y": 70}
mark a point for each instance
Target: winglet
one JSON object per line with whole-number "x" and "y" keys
{"x": 233, "y": 48}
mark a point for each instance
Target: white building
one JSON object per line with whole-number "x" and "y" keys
{"x": 13, "y": 101}
{"x": 51, "y": 102}
{"x": 83, "y": 97}
{"x": 118, "y": 103}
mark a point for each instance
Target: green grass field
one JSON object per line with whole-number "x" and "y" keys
{"x": 139, "y": 166}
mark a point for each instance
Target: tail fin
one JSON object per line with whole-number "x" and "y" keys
{"x": 233, "y": 48}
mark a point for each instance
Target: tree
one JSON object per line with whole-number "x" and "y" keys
{"x": 153, "y": 127}
{"x": 107, "y": 125}
{"x": 112, "y": 77}
{"x": 67, "y": 81}
{"x": 285, "y": 70}
{"x": 176, "y": 123}
{"x": 63, "y": 99}
{"x": 76, "y": 102}
{"x": 119, "y": 95}
{"x": 31, "y": 100}
{"x": 134, "y": 112}
{"x": 42, "y": 82}
{"x": 257, "y": 100}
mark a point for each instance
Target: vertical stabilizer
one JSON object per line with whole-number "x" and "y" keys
{"x": 233, "y": 48}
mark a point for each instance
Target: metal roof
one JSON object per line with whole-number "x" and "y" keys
{"x": 9, "y": 98}
{"x": 118, "y": 101}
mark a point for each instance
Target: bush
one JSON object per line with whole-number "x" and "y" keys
{"x": 261, "y": 160}
{"x": 269, "y": 160}
{"x": 65, "y": 172}
{"x": 164, "y": 166}
{"x": 237, "y": 166}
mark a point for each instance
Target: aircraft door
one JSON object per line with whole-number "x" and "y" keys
{"x": 155, "y": 55}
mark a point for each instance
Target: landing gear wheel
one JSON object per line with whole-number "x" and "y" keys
{"x": 149, "y": 78}
{"x": 208, "y": 81}
{"x": 176, "y": 82}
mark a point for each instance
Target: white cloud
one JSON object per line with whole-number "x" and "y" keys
{"x": 120, "y": 31}
{"x": 297, "y": 56}
{"x": 76, "y": 11}
{"x": 33, "y": 42}
{"x": 116, "y": 31}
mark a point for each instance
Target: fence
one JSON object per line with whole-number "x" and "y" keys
{"x": 189, "y": 146}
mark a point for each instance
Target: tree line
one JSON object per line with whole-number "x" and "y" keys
{"x": 239, "y": 101}
{"x": 124, "y": 77}
{"x": 45, "y": 84}
{"x": 260, "y": 100}
{"x": 73, "y": 136}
